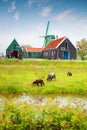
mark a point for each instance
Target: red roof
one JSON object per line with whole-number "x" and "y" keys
{"x": 34, "y": 49}
{"x": 54, "y": 43}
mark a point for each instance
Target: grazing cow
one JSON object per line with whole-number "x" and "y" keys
{"x": 69, "y": 73}
{"x": 38, "y": 82}
{"x": 51, "y": 76}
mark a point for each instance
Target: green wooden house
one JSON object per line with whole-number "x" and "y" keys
{"x": 14, "y": 50}
{"x": 33, "y": 52}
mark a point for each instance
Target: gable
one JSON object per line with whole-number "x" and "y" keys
{"x": 14, "y": 46}
{"x": 53, "y": 44}
{"x": 66, "y": 40}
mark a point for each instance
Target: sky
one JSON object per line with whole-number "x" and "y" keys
{"x": 26, "y": 21}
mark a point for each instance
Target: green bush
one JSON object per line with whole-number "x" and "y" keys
{"x": 23, "y": 116}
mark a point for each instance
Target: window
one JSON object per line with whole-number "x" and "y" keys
{"x": 45, "y": 53}
{"x": 14, "y": 46}
{"x": 62, "y": 48}
{"x": 66, "y": 46}
{"x": 52, "y": 53}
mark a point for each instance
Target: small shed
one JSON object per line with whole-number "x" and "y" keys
{"x": 33, "y": 52}
{"x": 61, "y": 48}
{"x": 14, "y": 50}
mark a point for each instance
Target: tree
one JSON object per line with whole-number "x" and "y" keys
{"x": 24, "y": 49}
{"x": 82, "y": 51}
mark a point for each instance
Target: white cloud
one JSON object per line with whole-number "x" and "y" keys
{"x": 12, "y": 7}
{"x": 65, "y": 15}
{"x": 82, "y": 23}
{"x": 75, "y": 21}
{"x": 84, "y": 27}
{"x": 30, "y": 2}
{"x": 16, "y": 16}
{"x": 46, "y": 11}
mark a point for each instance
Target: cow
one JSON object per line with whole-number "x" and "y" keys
{"x": 38, "y": 82}
{"x": 51, "y": 76}
{"x": 69, "y": 73}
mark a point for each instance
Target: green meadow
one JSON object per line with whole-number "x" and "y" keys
{"x": 16, "y": 76}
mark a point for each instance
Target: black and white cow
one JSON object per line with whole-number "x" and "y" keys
{"x": 51, "y": 76}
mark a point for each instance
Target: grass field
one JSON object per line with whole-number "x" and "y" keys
{"x": 16, "y": 76}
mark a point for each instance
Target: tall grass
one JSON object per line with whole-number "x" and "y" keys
{"x": 22, "y": 116}
{"x": 16, "y": 76}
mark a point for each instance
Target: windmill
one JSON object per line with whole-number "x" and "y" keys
{"x": 47, "y": 38}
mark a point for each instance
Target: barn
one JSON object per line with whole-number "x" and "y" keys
{"x": 60, "y": 48}
{"x": 33, "y": 52}
{"x": 14, "y": 50}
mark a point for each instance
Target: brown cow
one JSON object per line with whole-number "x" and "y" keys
{"x": 69, "y": 73}
{"x": 38, "y": 82}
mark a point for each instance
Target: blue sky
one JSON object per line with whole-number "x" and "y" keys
{"x": 26, "y": 21}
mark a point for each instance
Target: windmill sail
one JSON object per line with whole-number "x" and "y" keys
{"x": 45, "y": 41}
{"x": 47, "y": 38}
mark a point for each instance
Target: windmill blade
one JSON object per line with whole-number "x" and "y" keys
{"x": 47, "y": 28}
{"x": 46, "y": 33}
{"x": 44, "y": 36}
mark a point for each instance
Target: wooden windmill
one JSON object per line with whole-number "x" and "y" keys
{"x": 47, "y": 38}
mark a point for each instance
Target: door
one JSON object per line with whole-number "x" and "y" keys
{"x": 66, "y": 55}
{"x": 15, "y": 54}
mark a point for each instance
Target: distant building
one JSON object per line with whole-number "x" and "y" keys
{"x": 33, "y": 52}
{"x": 61, "y": 48}
{"x": 14, "y": 50}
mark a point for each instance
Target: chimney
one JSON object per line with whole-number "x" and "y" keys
{"x": 56, "y": 36}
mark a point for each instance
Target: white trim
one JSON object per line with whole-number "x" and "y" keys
{"x": 60, "y": 43}
{"x": 63, "y": 40}
{"x": 72, "y": 43}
